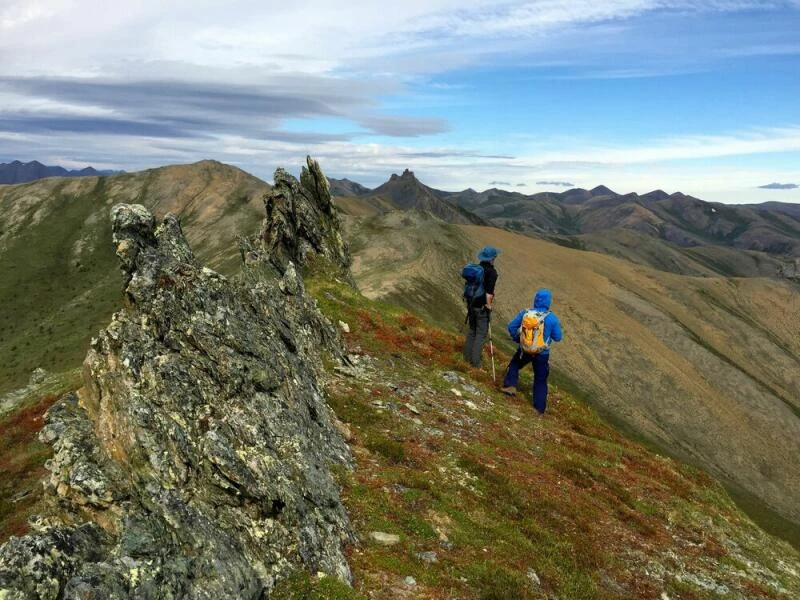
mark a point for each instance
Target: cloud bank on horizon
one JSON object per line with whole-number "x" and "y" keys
{"x": 635, "y": 94}
{"x": 779, "y": 186}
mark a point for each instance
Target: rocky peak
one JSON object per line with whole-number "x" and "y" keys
{"x": 301, "y": 222}
{"x": 602, "y": 190}
{"x": 146, "y": 253}
{"x": 407, "y": 175}
{"x": 195, "y": 461}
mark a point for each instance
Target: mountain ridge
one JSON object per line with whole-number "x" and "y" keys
{"x": 18, "y": 172}
{"x": 406, "y": 192}
{"x": 686, "y": 234}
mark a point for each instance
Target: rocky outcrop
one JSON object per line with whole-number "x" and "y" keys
{"x": 195, "y": 461}
{"x": 301, "y": 222}
{"x": 790, "y": 270}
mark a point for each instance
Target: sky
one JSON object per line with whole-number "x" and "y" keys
{"x": 701, "y": 97}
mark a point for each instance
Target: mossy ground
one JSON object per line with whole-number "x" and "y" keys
{"x": 513, "y": 505}
{"x": 22, "y": 455}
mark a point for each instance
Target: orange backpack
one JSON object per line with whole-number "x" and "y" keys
{"x": 531, "y": 332}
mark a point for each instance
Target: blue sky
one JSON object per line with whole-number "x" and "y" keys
{"x": 697, "y": 96}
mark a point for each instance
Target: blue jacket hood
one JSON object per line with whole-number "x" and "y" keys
{"x": 542, "y": 300}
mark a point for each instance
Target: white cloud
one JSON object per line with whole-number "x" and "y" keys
{"x": 315, "y": 36}
{"x": 15, "y": 15}
{"x": 24, "y": 104}
{"x": 686, "y": 147}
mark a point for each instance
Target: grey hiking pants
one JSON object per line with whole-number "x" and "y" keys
{"x": 478, "y": 319}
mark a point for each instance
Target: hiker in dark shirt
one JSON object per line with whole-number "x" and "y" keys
{"x": 480, "y": 309}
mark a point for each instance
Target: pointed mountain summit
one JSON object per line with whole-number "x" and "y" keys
{"x": 602, "y": 190}
{"x": 406, "y": 192}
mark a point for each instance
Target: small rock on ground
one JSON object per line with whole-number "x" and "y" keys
{"x": 428, "y": 557}
{"x": 387, "y": 539}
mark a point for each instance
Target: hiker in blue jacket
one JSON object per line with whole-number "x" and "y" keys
{"x": 540, "y": 359}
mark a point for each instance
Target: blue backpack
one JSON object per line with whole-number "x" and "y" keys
{"x": 473, "y": 282}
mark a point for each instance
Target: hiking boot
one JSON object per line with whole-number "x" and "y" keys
{"x": 509, "y": 390}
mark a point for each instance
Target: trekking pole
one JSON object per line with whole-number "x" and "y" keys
{"x": 491, "y": 351}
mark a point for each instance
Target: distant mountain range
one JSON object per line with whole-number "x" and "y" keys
{"x": 683, "y": 220}
{"x": 20, "y": 172}
{"x": 672, "y": 232}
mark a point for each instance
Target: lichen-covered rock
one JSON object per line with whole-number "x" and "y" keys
{"x": 195, "y": 461}
{"x": 790, "y": 270}
{"x": 302, "y": 221}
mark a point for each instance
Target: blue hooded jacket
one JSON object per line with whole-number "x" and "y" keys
{"x": 552, "y": 326}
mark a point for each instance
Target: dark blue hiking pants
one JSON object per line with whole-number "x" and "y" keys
{"x": 541, "y": 369}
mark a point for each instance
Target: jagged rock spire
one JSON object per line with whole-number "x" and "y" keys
{"x": 302, "y": 220}
{"x": 194, "y": 462}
